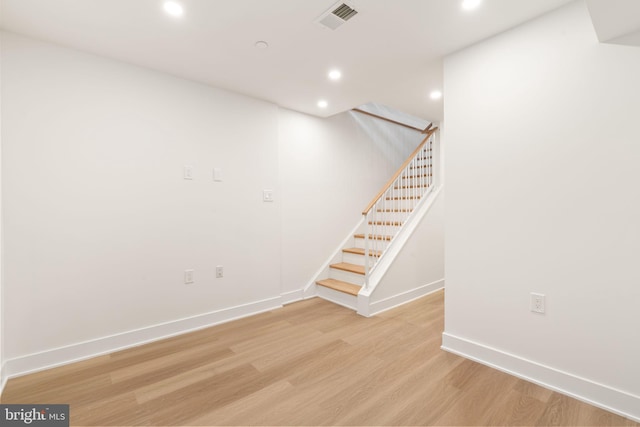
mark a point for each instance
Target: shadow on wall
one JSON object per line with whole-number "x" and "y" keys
{"x": 391, "y": 142}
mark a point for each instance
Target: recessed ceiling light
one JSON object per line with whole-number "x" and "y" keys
{"x": 470, "y": 4}
{"x": 335, "y": 75}
{"x": 436, "y": 94}
{"x": 173, "y": 8}
{"x": 323, "y": 104}
{"x": 261, "y": 44}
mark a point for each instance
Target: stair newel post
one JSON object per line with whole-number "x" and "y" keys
{"x": 429, "y": 147}
{"x": 409, "y": 191}
{"x": 430, "y": 177}
{"x": 423, "y": 179}
{"x": 405, "y": 191}
{"x": 429, "y": 154}
{"x": 367, "y": 231}
{"x": 412, "y": 192}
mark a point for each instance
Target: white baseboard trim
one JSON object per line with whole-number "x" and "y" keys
{"x": 593, "y": 393}
{"x": 3, "y": 378}
{"x": 85, "y": 350}
{"x": 291, "y": 297}
{"x": 404, "y": 297}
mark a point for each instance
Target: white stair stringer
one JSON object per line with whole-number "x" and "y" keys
{"x": 391, "y": 253}
{"x": 311, "y": 289}
{"x": 361, "y": 303}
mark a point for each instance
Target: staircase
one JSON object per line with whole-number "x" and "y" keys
{"x": 383, "y": 219}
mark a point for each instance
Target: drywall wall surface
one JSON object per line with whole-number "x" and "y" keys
{"x": 330, "y": 170}
{"x": 100, "y": 223}
{"x": 542, "y": 196}
{"x": 2, "y": 377}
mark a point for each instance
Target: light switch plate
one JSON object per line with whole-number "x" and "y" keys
{"x": 188, "y": 277}
{"x": 267, "y": 195}
{"x": 188, "y": 172}
{"x": 217, "y": 174}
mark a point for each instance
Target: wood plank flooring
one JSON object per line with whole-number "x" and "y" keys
{"x": 309, "y": 363}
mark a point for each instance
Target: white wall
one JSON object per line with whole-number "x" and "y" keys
{"x": 2, "y": 370}
{"x": 542, "y": 196}
{"x": 330, "y": 170}
{"x": 99, "y": 222}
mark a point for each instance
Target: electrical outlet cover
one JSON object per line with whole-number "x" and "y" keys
{"x": 537, "y": 303}
{"x": 188, "y": 276}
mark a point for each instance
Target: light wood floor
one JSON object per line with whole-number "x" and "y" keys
{"x": 310, "y": 363}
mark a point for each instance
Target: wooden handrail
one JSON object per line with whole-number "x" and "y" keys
{"x": 399, "y": 171}
{"x": 392, "y": 121}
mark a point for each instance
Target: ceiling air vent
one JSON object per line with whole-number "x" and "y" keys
{"x": 337, "y": 15}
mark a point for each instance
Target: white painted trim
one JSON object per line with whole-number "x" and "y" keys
{"x": 337, "y": 297}
{"x": 364, "y": 308}
{"x": 85, "y": 350}
{"x": 3, "y": 377}
{"x": 394, "y": 301}
{"x": 400, "y": 240}
{"x": 323, "y": 272}
{"x": 591, "y": 392}
{"x": 291, "y": 297}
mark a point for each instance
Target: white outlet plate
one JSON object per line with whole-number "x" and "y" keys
{"x": 538, "y": 304}
{"x": 219, "y": 271}
{"x": 267, "y": 195}
{"x": 188, "y": 277}
{"x": 217, "y": 174}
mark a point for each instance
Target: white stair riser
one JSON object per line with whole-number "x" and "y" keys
{"x": 418, "y": 180}
{"x": 419, "y": 188}
{"x": 380, "y": 244}
{"x": 353, "y": 258}
{"x": 394, "y": 216}
{"x": 338, "y": 297}
{"x": 399, "y": 204}
{"x": 383, "y": 230}
{"x": 422, "y": 162}
{"x": 346, "y": 276}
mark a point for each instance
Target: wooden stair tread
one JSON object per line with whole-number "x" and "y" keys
{"x": 389, "y": 223}
{"x": 339, "y": 285}
{"x": 411, "y": 186}
{"x": 404, "y": 198}
{"x": 377, "y": 237}
{"x": 394, "y": 210}
{"x": 416, "y": 176}
{"x": 352, "y": 268}
{"x": 360, "y": 251}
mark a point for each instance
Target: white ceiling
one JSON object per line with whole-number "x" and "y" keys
{"x": 390, "y": 53}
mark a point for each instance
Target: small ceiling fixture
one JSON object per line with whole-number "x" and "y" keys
{"x": 173, "y": 8}
{"x": 435, "y": 95}
{"x": 335, "y": 75}
{"x": 261, "y": 44}
{"x": 470, "y": 4}
{"x": 323, "y": 104}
